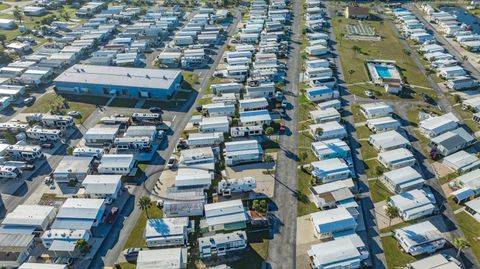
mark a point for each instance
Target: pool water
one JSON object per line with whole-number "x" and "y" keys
{"x": 383, "y": 71}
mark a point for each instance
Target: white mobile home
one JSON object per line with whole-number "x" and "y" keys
{"x": 376, "y": 110}
{"x": 396, "y": 158}
{"x": 383, "y": 124}
{"x": 413, "y": 204}
{"x": 388, "y": 141}
{"x": 420, "y": 238}
{"x": 328, "y": 130}
{"x": 403, "y": 179}
{"x": 330, "y": 170}
{"x": 214, "y": 125}
{"x": 243, "y": 152}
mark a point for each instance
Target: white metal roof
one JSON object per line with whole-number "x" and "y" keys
{"x": 29, "y": 215}
{"x": 80, "y": 208}
{"x": 101, "y": 184}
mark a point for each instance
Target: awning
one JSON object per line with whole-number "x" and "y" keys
{"x": 463, "y": 194}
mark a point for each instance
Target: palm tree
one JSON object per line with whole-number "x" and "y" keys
{"x": 144, "y": 203}
{"x": 82, "y": 244}
{"x": 461, "y": 244}
{"x": 17, "y": 13}
{"x": 391, "y": 212}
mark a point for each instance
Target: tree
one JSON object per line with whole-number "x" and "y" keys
{"x": 260, "y": 206}
{"x": 392, "y": 212}
{"x": 456, "y": 98}
{"x": 269, "y": 131}
{"x": 3, "y": 38}
{"x": 58, "y": 105}
{"x": 17, "y": 13}
{"x": 319, "y": 132}
{"x": 268, "y": 158}
{"x": 378, "y": 170}
{"x": 144, "y": 203}
{"x": 461, "y": 244}
{"x": 65, "y": 15}
{"x": 82, "y": 245}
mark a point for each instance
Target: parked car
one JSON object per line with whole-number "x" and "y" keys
{"x": 29, "y": 101}
{"x": 182, "y": 144}
{"x": 131, "y": 253}
{"x": 74, "y": 114}
{"x": 155, "y": 109}
{"x": 369, "y": 94}
{"x": 28, "y": 167}
{"x": 284, "y": 103}
{"x": 47, "y": 145}
{"x": 171, "y": 162}
{"x": 160, "y": 203}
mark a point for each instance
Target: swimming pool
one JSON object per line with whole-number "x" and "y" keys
{"x": 383, "y": 71}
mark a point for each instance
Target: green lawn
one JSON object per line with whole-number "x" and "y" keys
{"x": 368, "y": 151}
{"x": 256, "y": 254}
{"x": 453, "y": 205}
{"x": 189, "y": 80}
{"x": 4, "y": 6}
{"x": 126, "y": 265}
{"x": 304, "y": 205}
{"x": 81, "y": 104}
{"x": 135, "y": 238}
{"x": 204, "y": 101}
{"x": 388, "y": 49}
{"x": 471, "y": 230}
{"x": 357, "y": 114}
{"x": 378, "y": 191}
{"x": 395, "y": 257}
{"x": 370, "y": 168}
{"x": 363, "y": 132}
{"x": 31, "y": 22}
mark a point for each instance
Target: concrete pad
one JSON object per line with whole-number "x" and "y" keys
{"x": 265, "y": 182}
{"x": 382, "y": 220}
{"x": 441, "y": 170}
{"x": 166, "y": 180}
{"x": 305, "y": 239}
{"x": 446, "y": 189}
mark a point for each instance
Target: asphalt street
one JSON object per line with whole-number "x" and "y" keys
{"x": 282, "y": 251}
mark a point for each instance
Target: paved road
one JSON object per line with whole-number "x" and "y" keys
{"x": 282, "y": 252}
{"x": 371, "y": 235}
{"x": 112, "y": 247}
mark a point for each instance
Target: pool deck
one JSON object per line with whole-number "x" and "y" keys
{"x": 377, "y": 75}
